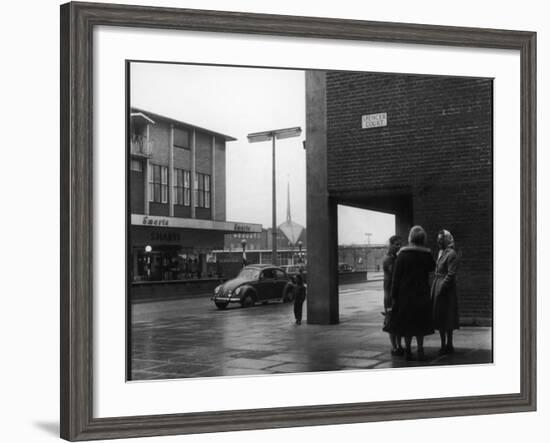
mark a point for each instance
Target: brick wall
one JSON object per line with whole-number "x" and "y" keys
{"x": 160, "y": 136}
{"x": 203, "y": 153}
{"x": 436, "y": 149}
{"x": 137, "y": 194}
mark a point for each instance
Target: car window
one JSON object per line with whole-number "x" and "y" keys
{"x": 279, "y": 274}
{"x": 268, "y": 273}
{"x": 249, "y": 274}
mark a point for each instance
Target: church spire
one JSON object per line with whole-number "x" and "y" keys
{"x": 288, "y": 218}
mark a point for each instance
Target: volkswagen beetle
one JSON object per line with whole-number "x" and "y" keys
{"x": 255, "y": 284}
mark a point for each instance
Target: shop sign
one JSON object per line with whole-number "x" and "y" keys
{"x": 374, "y": 120}
{"x": 242, "y": 228}
{"x": 193, "y": 223}
{"x": 155, "y": 221}
{"x": 165, "y": 236}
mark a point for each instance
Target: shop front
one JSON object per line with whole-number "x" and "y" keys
{"x": 173, "y": 254}
{"x": 164, "y": 254}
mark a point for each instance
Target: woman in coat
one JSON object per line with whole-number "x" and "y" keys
{"x": 444, "y": 298}
{"x": 410, "y": 292}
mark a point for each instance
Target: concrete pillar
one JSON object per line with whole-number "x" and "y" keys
{"x": 213, "y": 180}
{"x": 322, "y": 220}
{"x": 171, "y": 193}
{"x": 193, "y": 171}
{"x": 146, "y": 173}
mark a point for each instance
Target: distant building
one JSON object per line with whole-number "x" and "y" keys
{"x": 289, "y": 236}
{"x": 291, "y": 246}
{"x": 363, "y": 257}
{"x": 177, "y": 177}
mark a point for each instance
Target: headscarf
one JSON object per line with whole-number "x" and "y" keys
{"x": 449, "y": 239}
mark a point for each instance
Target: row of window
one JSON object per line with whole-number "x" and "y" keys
{"x": 158, "y": 186}
{"x": 247, "y": 235}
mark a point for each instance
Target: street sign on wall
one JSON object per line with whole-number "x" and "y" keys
{"x": 374, "y": 120}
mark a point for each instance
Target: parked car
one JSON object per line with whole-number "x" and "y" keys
{"x": 344, "y": 267}
{"x": 293, "y": 270}
{"x": 255, "y": 283}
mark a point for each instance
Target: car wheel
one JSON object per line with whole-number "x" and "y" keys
{"x": 221, "y": 305}
{"x": 247, "y": 300}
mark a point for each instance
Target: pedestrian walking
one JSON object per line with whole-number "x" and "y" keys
{"x": 299, "y": 297}
{"x": 410, "y": 292}
{"x": 444, "y": 296}
{"x": 394, "y": 244}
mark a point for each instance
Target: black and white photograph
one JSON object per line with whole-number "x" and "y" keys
{"x": 232, "y": 221}
{"x": 295, "y": 221}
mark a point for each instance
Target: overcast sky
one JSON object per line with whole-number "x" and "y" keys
{"x": 239, "y": 101}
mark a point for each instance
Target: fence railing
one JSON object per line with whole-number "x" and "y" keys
{"x": 141, "y": 146}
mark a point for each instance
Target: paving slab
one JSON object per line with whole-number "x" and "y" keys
{"x": 191, "y": 338}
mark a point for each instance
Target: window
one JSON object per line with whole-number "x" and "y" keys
{"x": 279, "y": 274}
{"x": 268, "y": 273}
{"x": 202, "y": 190}
{"x": 182, "y": 187}
{"x": 136, "y": 165}
{"x": 158, "y": 183}
{"x": 207, "y": 191}
{"x": 181, "y": 138}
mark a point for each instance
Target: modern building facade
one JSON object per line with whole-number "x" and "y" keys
{"x": 177, "y": 199}
{"x": 419, "y": 147}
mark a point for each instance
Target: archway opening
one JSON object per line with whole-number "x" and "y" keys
{"x": 362, "y": 243}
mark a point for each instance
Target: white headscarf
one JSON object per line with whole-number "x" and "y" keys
{"x": 449, "y": 239}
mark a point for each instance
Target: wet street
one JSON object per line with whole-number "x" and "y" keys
{"x": 192, "y": 338}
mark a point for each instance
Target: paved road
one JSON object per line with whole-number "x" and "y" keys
{"x": 192, "y": 338}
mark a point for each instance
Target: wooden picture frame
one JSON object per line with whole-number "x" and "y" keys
{"x": 77, "y": 23}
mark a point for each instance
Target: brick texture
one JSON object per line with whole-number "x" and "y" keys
{"x": 436, "y": 149}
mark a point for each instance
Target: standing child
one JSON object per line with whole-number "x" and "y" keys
{"x": 299, "y": 297}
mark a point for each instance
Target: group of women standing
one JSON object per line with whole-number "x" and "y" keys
{"x": 413, "y": 307}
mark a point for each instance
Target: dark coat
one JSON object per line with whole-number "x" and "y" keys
{"x": 444, "y": 298}
{"x": 410, "y": 292}
{"x": 387, "y": 266}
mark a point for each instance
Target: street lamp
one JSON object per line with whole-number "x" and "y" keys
{"x": 368, "y": 234}
{"x": 300, "y": 247}
{"x": 275, "y": 134}
{"x": 243, "y": 244}
{"x": 148, "y": 250}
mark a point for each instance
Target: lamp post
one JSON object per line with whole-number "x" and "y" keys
{"x": 368, "y": 234}
{"x": 148, "y": 250}
{"x": 300, "y": 254}
{"x": 243, "y": 244}
{"x": 275, "y": 134}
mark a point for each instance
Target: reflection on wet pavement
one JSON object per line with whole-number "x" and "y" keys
{"x": 191, "y": 338}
